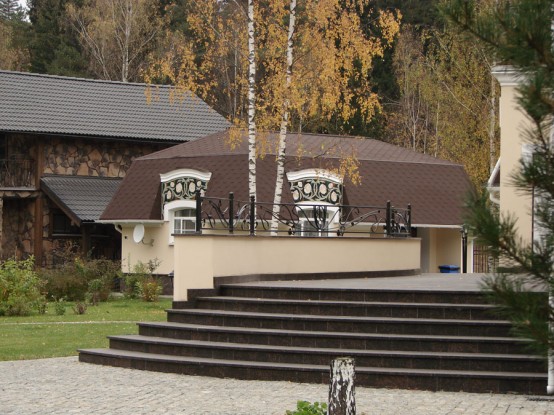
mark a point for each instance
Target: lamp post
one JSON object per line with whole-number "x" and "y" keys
{"x": 463, "y": 231}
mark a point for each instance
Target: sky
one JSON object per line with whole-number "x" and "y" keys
{"x": 23, "y": 3}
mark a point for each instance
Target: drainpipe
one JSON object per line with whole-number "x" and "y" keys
{"x": 463, "y": 231}
{"x": 550, "y": 384}
{"x": 537, "y": 237}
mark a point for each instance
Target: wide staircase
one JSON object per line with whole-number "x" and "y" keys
{"x": 427, "y": 340}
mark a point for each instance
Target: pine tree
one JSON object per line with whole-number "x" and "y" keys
{"x": 9, "y": 9}
{"x": 518, "y": 33}
{"x": 53, "y": 46}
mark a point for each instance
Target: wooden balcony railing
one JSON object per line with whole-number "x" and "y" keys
{"x": 17, "y": 172}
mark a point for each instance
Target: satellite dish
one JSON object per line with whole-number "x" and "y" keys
{"x": 138, "y": 233}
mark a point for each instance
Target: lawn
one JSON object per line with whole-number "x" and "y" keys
{"x": 39, "y": 336}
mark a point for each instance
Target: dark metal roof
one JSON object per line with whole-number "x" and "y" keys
{"x": 82, "y": 198}
{"x": 435, "y": 188}
{"x": 60, "y": 105}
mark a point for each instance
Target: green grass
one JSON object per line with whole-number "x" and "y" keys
{"x": 50, "y": 335}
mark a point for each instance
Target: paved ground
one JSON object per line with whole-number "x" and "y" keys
{"x": 423, "y": 282}
{"x": 65, "y": 386}
{"x": 432, "y": 282}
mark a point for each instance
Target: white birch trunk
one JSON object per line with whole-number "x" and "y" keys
{"x": 281, "y": 153}
{"x": 341, "y": 389}
{"x": 127, "y": 19}
{"x": 251, "y": 102}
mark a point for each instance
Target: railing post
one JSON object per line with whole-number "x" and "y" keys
{"x": 410, "y": 219}
{"x": 252, "y": 216}
{"x": 198, "y": 212}
{"x": 388, "y": 219}
{"x": 231, "y": 212}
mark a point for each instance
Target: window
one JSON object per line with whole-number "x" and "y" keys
{"x": 318, "y": 220}
{"x": 181, "y": 218}
{"x": 313, "y": 222}
{"x": 179, "y": 189}
{"x": 61, "y": 225}
{"x": 184, "y": 221}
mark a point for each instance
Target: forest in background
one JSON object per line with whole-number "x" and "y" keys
{"x": 430, "y": 86}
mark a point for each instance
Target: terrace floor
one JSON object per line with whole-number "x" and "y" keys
{"x": 423, "y": 282}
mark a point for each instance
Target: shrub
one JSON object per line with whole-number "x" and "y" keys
{"x": 96, "y": 291}
{"x": 141, "y": 284}
{"x": 42, "y": 305}
{"x": 73, "y": 277}
{"x": 100, "y": 275}
{"x": 149, "y": 289}
{"x": 63, "y": 281}
{"x": 80, "y": 307}
{"x": 131, "y": 289}
{"x": 59, "y": 306}
{"x": 20, "y": 288}
{"x": 307, "y": 408}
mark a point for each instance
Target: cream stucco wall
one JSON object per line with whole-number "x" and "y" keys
{"x": 155, "y": 246}
{"x": 438, "y": 246}
{"x": 513, "y": 123}
{"x": 198, "y": 259}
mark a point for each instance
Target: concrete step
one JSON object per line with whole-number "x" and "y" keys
{"x": 322, "y": 356}
{"x": 332, "y": 339}
{"x": 354, "y": 324}
{"x": 369, "y": 295}
{"x": 434, "y": 380}
{"x": 349, "y": 308}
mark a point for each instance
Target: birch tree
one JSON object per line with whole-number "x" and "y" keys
{"x": 281, "y": 152}
{"x": 332, "y": 61}
{"x": 330, "y": 35}
{"x": 251, "y": 102}
{"x": 116, "y": 35}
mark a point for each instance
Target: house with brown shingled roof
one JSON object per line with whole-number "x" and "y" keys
{"x": 153, "y": 201}
{"x": 65, "y": 145}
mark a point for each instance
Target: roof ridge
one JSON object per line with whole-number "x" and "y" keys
{"x": 74, "y": 78}
{"x": 75, "y": 176}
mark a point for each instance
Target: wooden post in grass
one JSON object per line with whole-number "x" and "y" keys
{"x": 341, "y": 389}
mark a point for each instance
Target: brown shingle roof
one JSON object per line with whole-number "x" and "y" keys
{"x": 434, "y": 187}
{"x": 307, "y": 145}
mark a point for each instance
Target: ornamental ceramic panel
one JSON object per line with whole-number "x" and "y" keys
{"x": 316, "y": 190}
{"x": 182, "y": 188}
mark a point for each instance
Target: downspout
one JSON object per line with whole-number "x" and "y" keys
{"x": 550, "y": 384}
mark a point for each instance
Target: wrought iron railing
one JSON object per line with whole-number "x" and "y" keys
{"x": 228, "y": 214}
{"x": 16, "y": 172}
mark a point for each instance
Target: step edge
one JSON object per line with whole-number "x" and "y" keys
{"x": 237, "y": 329}
{"x": 295, "y": 366}
{"x": 320, "y": 350}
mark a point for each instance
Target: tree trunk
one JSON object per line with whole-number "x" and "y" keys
{"x": 251, "y": 103}
{"x": 284, "y": 124}
{"x": 341, "y": 390}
